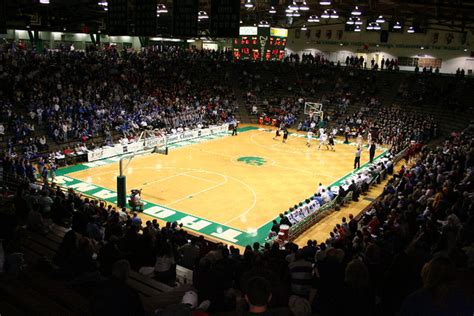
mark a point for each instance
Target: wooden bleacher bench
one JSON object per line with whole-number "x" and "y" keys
{"x": 40, "y": 246}
{"x": 48, "y": 240}
{"x": 7, "y": 309}
{"x": 59, "y": 292}
{"x": 22, "y": 296}
{"x": 35, "y": 250}
{"x": 158, "y": 286}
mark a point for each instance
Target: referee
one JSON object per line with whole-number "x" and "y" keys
{"x": 357, "y": 158}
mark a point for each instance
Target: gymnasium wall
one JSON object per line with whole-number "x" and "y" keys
{"x": 331, "y": 41}
{"x": 52, "y": 40}
{"x": 334, "y": 43}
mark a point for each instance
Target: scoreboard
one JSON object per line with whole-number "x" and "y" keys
{"x": 260, "y": 43}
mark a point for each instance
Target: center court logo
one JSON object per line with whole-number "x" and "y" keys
{"x": 253, "y": 161}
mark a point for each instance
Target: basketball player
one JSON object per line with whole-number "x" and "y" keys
{"x": 309, "y": 138}
{"x": 277, "y": 134}
{"x": 235, "y": 127}
{"x": 323, "y": 137}
{"x": 331, "y": 143}
{"x": 285, "y": 135}
{"x": 321, "y": 131}
{"x": 369, "y": 138}
{"x": 347, "y": 130}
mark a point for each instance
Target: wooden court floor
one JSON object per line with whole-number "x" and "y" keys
{"x": 242, "y": 182}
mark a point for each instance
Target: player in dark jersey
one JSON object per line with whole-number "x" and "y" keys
{"x": 277, "y": 134}
{"x": 285, "y": 135}
{"x": 331, "y": 143}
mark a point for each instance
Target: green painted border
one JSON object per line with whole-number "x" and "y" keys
{"x": 199, "y": 225}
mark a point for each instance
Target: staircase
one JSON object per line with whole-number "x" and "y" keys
{"x": 242, "y": 114}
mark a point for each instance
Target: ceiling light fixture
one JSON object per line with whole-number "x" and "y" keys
{"x": 373, "y": 26}
{"x": 299, "y": 6}
{"x": 161, "y": 8}
{"x": 380, "y": 19}
{"x": 202, "y": 15}
{"x": 397, "y": 26}
{"x": 325, "y": 2}
{"x": 411, "y": 30}
{"x": 313, "y": 19}
{"x": 329, "y": 14}
{"x": 248, "y": 4}
{"x": 304, "y": 6}
{"x": 356, "y": 11}
{"x": 272, "y": 10}
{"x": 291, "y": 13}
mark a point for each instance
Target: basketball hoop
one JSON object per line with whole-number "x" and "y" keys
{"x": 314, "y": 108}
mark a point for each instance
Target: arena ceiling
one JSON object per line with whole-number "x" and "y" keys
{"x": 87, "y": 15}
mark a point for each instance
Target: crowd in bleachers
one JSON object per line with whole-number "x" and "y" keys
{"x": 76, "y": 95}
{"x": 429, "y": 89}
{"x": 417, "y": 238}
{"x": 390, "y": 126}
{"x": 409, "y": 251}
{"x": 414, "y": 245}
{"x": 296, "y": 83}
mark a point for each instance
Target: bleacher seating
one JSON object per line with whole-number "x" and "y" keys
{"x": 394, "y": 227}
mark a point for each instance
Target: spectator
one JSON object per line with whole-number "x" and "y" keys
{"x": 257, "y": 295}
{"x": 114, "y": 296}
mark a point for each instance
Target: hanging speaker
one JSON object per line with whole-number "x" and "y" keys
{"x": 3, "y": 16}
{"x": 384, "y": 36}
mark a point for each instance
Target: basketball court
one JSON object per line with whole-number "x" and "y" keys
{"x": 226, "y": 187}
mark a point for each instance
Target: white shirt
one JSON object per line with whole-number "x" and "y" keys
{"x": 325, "y": 197}
{"x": 320, "y": 189}
{"x": 291, "y": 218}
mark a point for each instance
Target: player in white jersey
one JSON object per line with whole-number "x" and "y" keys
{"x": 323, "y": 140}
{"x": 309, "y": 138}
{"x": 369, "y": 138}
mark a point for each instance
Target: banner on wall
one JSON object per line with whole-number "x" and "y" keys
{"x": 118, "y": 149}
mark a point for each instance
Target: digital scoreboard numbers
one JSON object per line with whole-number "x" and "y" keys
{"x": 185, "y": 18}
{"x": 260, "y": 43}
{"x": 277, "y": 48}
{"x": 225, "y": 18}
